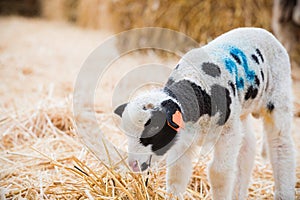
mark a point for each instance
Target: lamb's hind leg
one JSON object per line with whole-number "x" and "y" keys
{"x": 277, "y": 126}
{"x": 245, "y": 161}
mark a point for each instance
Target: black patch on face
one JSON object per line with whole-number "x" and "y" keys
{"x": 232, "y": 87}
{"x": 158, "y": 133}
{"x": 254, "y": 57}
{"x": 236, "y": 58}
{"x": 211, "y": 69}
{"x": 251, "y": 93}
{"x": 257, "y": 82}
{"x": 270, "y": 107}
{"x": 220, "y": 103}
{"x": 260, "y": 55}
{"x": 177, "y": 66}
{"x": 262, "y": 75}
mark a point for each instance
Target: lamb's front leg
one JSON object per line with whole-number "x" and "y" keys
{"x": 179, "y": 170}
{"x": 222, "y": 170}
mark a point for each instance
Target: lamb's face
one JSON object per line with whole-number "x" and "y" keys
{"x": 147, "y": 124}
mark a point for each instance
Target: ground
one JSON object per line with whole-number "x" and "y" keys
{"x": 39, "y": 63}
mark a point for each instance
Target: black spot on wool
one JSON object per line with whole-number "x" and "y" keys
{"x": 251, "y": 93}
{"x": 170, "y": 81}
{"x": 169, "y": 92}
{"x": 211, "y": 69}
{"x": 232, "y": 87}
{"x": 262, "y": 75}
{"x": 270, "y": 107}
{"x": 220, "y": 103}
{"x": 254, "y": 57}
{"x": 236, "y": 58}
{"x": 257, "y": 82}
{"x": 260, "y": 55}
{"x": 195, "y": 102}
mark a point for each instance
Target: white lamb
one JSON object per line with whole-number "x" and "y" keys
{"x": 209, "y": 97}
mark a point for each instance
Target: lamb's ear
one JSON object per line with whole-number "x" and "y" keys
{"x": 173, "y": 112}
{"x": 120, "y": 109}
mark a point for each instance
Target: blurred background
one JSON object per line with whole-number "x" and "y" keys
{"x": 202, "y": 20}
{"x": 40, "y": 37}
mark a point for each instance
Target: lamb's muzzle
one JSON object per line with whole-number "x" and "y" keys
{"x": 135, "y": 165}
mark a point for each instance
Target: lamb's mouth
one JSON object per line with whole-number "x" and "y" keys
{"x": 146, "y": 164}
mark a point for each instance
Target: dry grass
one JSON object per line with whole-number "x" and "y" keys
{"x": 41, "y": 158}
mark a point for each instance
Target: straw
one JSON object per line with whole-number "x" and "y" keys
{"x": 39, "y": 159}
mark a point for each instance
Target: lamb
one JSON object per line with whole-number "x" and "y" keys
{"x": 208, "y": 99}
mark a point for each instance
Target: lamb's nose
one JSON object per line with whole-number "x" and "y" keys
{"x": 134, "y": 166}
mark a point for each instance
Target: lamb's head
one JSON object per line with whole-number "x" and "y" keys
{"x": 151, "y": 123}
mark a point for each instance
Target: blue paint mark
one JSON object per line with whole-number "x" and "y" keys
{"x": 250, "y": 74}
{"x": 232, "y": 68}
{"x": 239, "y": 59}
{"x": 239, "y": 83}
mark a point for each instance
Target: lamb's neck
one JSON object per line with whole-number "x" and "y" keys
{"x": 193, "y": 100}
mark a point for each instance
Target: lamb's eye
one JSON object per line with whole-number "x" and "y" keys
{"x": 148, "y": 122}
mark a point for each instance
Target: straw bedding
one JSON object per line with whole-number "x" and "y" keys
{"x": 40, "y": 153}
{"x": 42, "y": 158}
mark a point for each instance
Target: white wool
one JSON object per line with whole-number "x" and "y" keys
{"x": 234, "y": 150}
